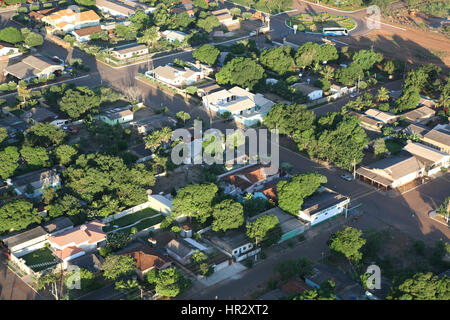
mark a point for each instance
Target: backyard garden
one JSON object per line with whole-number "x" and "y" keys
{"x": 316, "y": 22}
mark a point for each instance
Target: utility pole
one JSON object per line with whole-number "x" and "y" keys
{"x": 354, "y": 168}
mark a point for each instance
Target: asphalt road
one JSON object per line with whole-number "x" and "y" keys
{"x": 12, "y": 287}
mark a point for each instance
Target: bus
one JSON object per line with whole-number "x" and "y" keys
{"x": 335, "y": 32}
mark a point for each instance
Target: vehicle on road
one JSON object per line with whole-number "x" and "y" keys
{"x": 354, "y": 95}
{"x": 335, "y": 32}
{"x": 252, "y": 33}
{"x": 346, "y": 177}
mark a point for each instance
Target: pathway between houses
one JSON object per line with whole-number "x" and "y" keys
{"x": 131, "y": 225}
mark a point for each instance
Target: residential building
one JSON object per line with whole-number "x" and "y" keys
{"x": 117, "y": 115}
{"x": 33, "y": 66}
{"x": 152, "y": 123}
{"x": 427, "y": 102}
{"x": 438, "y": 138}
{"x": 235, "y": 244}
{"x": 7, "y": 49}
{"x": 382, "y": 116}
{"x": 245, "y": 107}
{"x": 416, "y": 129}
{"x": 147, "y": 258}
{"x": 340, "y": 91}
{"x": 68, "y": 20}
{"x": 42, "y": 114}
{"x": 345, "y": 289}
{"x": 420, "y": 114}
{"x": 121, "y": 9}
{"x": 323, "y": 205}
{"x": 180, "y": 250}
{"x": 433, "y": 159}
{"x": 76, "y": 242}
{"x": 290, "y": 225}
{"x": 313, "y": 93}
{"x": 247, "y": 179}
{"x": 225, "y": 18}
{"x": 173, "y": 35}
{"x": 13, "y": 125}
{"x": 367, "y": 122}
{"x": 84, "y": 34}
{"x": 58, "y": 225}
{"x": 92, "y": 262}
{"x": 417, "y": 161}
{"x": 178, "y": 76}
{"x": 129, "y": 51}
{"x": 23, "y": 242}
{"x": 36, "y": 180}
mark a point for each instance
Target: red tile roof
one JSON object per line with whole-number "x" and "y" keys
{"x": 147, "y": 258}
{"x": 67, "y": 252}
{"x": 90, "y": 233}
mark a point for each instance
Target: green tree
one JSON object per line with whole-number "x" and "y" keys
{"x": 117, "y": 240}
{"x": 46, "y": 134}
{"x": 409, "y": 99}
{"x": 149, "y": 36}
{"x": 227, "y": 214}
{"x": 183, "y": 116}
{"x": 348, "y": 242}
{"x": 3, "y": 134}
{"x": 383, "y": 94}
{"x": 422, "y": 286}
{"x": 244, "y": 72}
{"x": 65, "y": 154}
{"x": 367, "y": 58}
{"x": 278, "y": 59}
{"x": 76, "y": 103}
{"x": 207, "y": 54}
{"x": 195, "y": 200}
{"x": 116, "y": 266}
{"x": 380, "y": 148}
{"x": 87, "y": 3}
{"x": 306, "y": 54}
{"x": 140, "y": 19}
{"x": 37, "y": 156}
{"x": 327, "y": 52}
{"x": 34, "y": 39}
{"x": 154, "y": 140}
{"x": 348, "y": 76}
{"x": 292, "y": 193}
{"x": 171, "y": 282}
{"x": 10, "y": 35}
{"x": 9, "y": 162}
{"x": 200, "y": 4}
{"x": 260, "y": 229}
{"x": 208, "y": 23}
{"x": 86, "y": 279}
{"x": 325, "y": 292}
{"x": 17, "y": 215}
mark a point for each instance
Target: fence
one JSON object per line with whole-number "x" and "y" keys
{"x": 126, "y": 212}
{"x": 60, "y": 42}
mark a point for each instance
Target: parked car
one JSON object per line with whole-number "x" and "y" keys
{"x": 354, "y": 95}
{"x": 346, "y": 177}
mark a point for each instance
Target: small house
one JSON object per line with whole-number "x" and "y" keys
{"x": 180, "y": 250}
{"x": 311, "y": 92}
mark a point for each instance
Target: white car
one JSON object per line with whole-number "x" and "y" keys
{"x": 252, "y": 33}
{"x": 346, "y": 177}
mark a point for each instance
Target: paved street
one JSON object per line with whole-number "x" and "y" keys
{"x": 12, "y": 287}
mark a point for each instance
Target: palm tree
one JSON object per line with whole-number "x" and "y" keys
{"x": 327, "y": 72}
{"x": 129, "y": 287}
{"x": 383, "y": 94}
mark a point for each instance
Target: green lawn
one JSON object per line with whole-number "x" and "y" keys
{"x": 39, "y": 256}
{"x": 316, "y": 22}
{"x": 393, "y": 146}
{"x": 144, "y": 224}
{"x": 131, "y": 218}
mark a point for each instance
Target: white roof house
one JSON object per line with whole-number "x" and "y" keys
{"x": 7, "y": 50}
{"x": 173, "y": 35}
{"x": 382, "y": 116}
{"x": 247, "y": 108}
{"x": 312, "y": 92}
{"x": 178, "y": 76}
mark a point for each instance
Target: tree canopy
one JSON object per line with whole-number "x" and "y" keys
{"x": 422, "y": 286}
{"x": 292, "y": 193}
{"x": 367, "y": 58}
{"x": 348, "y": 242}
{"x": 9, "y": 161}
{"x": 17, "y": 215}
{"x": 195, "y": 200}
{"x": 207, "y": 54}
{"x": 76, "y": 102}
{"x": 244, "y": 72}
{"x": 278, "y": 59}
{"x": 170, "y": 282}
{"x": 10, "y": 35}
{"x": 227, "y": 214}
{"x": 262, "y": 228}
{"x": 116, "y": 266}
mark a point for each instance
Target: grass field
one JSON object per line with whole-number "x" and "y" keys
{"x": 130, "y": 219}
{"x": 144, "y": 224}
{"x": 39, "y": 256}
{"x": 316, "y": 22}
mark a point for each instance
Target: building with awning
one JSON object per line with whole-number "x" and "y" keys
{"x": 416, "y": 161}
{"x": 33, "y": 67}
